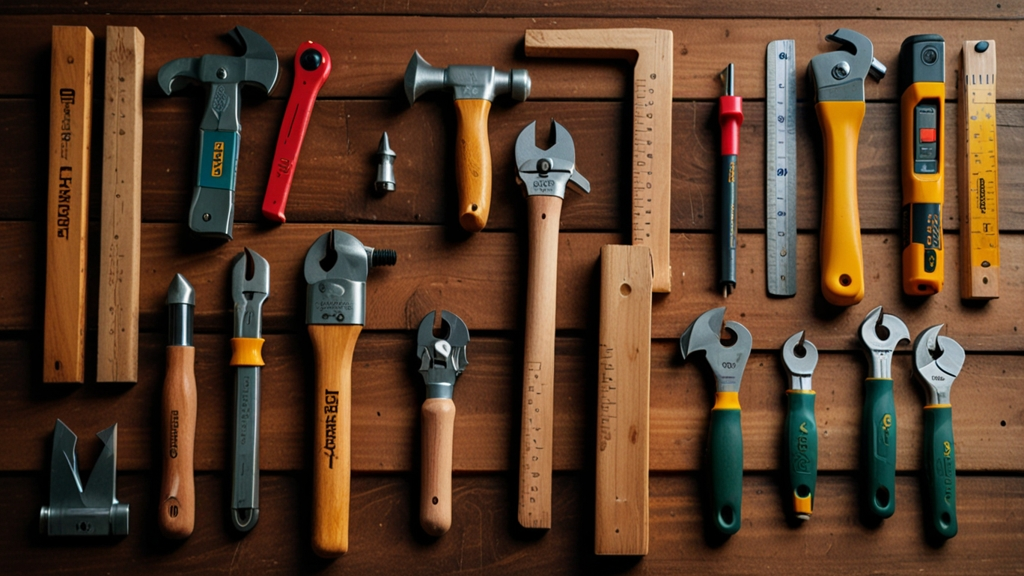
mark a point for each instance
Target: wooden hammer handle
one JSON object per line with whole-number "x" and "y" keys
{"x": 436, "y": 485}
{"x": 473, "y": 163}
{"x": 177, "y": 493}
{"x": 332, "y": 455}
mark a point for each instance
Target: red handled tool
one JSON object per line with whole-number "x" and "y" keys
{"x": 312, "y": 67}
{"x": 730, "y": 117}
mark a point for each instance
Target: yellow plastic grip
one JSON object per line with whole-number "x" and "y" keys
{"x": 727, "y": 401}
{"x": 247, "y": 351}
{"x": 923, "y": 270}
{"x": 842, "y": 259}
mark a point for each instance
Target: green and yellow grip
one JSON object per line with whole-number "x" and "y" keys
{"x": 725, "y": 459}
{"x": 842, "y": 258}
{"x": 878, "y": 438}
{"x": 940, "y": 470}
{"x": 802, "y": 450}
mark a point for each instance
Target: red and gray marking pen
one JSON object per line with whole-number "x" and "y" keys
{"x": 730, "y": 117}
{"x": 312, "y": 67}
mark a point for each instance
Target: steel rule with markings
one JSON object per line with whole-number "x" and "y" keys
{"x": 645, "y": 93}
{"x": 780, "y": 167}
{"x": 979, "y": 173}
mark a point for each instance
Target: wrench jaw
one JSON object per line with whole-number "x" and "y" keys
{"x": 937, "y": 363}
{"x": 839, "y": 75}
{"x": 799, "y": 368}
{"x": 442, "y": 360}
{"x": 879, "y": 350}
{"x": 548, "y": 172}
{"x": 726, "y": 362}
{"x": 336, "y": 268}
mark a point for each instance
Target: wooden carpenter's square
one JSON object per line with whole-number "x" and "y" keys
{"x": 652, "y": 122}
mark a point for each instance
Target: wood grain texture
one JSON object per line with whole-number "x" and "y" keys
{"x": 374, "y": 69}
{"x": 117, "y": 334}
{"x": 988, "y": 408}
{"x": 67, "y": 210}
{"x": 473, "y": 163}
{"x": 662, "y": 9}
{"x": 438, "y": 416}
{"x": 179, "y": 412}
{"x": 623, "y": 402}
{"x": 385, "y": 535}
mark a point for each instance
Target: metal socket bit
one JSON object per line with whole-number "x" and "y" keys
{"x": 385, "y": 166}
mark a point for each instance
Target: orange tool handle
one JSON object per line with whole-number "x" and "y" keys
{"x": 436, "y": 484}
{"x": 842, "y": 258}
{"x": 473, "y": 163}
{"x": 923, "y": 194}
{"x": 177, "y": 516}
{"x": 332, "y": 435}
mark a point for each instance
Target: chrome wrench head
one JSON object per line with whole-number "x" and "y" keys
{"x": 250, "y": 286}
{"x": 442, "y": 360}
{"x": 335, "y": 269}
{"x": 548, "y": 172}
{"x": 937, "y": 363}
{"x": 800, "y": 358}
{"x": 727, "y": 362}
{"x": 879, "y": 349}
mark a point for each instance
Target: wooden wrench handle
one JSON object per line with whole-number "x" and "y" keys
{"x": 436, "y": 485}
{"x": 332, "y": 455}
{"x": 177, "y": 493}
{"x": 473, "y": 163}
{"x": 535, "y": 457}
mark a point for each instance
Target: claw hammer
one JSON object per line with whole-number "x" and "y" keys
{"x": 839, "y": 93}
{"x": 336, "y": 268}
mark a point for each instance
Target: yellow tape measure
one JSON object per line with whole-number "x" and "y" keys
{"x": 979, "y": 173}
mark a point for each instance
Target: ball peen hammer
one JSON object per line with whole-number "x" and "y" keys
{"x": 474, "y": 88}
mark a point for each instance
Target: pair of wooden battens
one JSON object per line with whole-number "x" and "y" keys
{"x": 68, "y": 206}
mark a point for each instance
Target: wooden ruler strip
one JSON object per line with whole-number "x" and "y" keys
{"x": 67, "y": 213}
{"x": 979, "y": 173}
{"x": 117, "y": 336}
{"x": 651, "y": 189}
{"x": 624, "y": 401}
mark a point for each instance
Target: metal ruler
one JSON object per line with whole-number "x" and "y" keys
{"x": 780, "y": 167}
{"x": 644, "y": 118}
{"x": 979, "y": 173}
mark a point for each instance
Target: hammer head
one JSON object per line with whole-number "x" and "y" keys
{"x": 466, "y": 82}
{"x": 258, "y": 65}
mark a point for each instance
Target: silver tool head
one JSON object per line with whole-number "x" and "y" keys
{"x": 181, "y": 292}
{"x": 336, "y": 268}
{"x": 385, "y": 166}
{"x": 839, "y": 75}
{"x": 181, "y": 304}
{"x": 727, "y": 362}
{"x": 250, "y": 286}
{"x": 77, "y": 511}
{"x": 442, "y": 359}
{"x": 800, "y": 357}
{"x": 881, "y": 346}
{"x": 937, "y": 363}
{"x": 257, "y": 66}
{"x": 465, "y": 82}
{"x": 728, "y": 79}
{"x": 548, "y": 172}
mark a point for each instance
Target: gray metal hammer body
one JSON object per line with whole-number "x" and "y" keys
{"x": 213, "y": 201}
{"x": 473, "y": 88}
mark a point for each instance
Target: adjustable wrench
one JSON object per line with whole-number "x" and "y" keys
{"x": 878, "y": 423}
{"x": 725, "y": 437}
{"x": 77, "y": 511}
{"x": 937, "y": 362}
{"x": 442, "y": 361}
{"x": 800, "y": 357}
{"x": 839, "y": 92}
{"x": 544, "y": 175}
{"x": 250, "y": 285}
{"x": 336, "y": 268}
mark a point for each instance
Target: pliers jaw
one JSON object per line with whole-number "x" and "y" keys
{"x": 250, "y": 286}
{"x": 442, "y": 360}
{"x": 727, "y": 362}
{"x": 937, "y": 362}
{"x": 548, "y": 172}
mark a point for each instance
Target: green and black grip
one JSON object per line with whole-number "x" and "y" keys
{"x": 878, "y": 438}
{"x": 801, "y": 450}
{"x": 725, "y": 461}
{"x": 940, "y": 470}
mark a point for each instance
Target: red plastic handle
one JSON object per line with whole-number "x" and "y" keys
{"x": 730, "y": 117}
{"x": 312, "y": 67}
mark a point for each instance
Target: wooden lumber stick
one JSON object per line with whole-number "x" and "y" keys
{"x": 117, "y": 330}
{"x": 597, "y": 127}
{"x": 990, "y": 513}
{"x": 67, "y": 213}
{"x": 702, "y": 45}
{"x": 623, "y": 401}
{"x": 988, "y": 408}
{"x": 650, "y": 51}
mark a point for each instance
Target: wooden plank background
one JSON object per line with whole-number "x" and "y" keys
{"x": 481, "y": 278}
